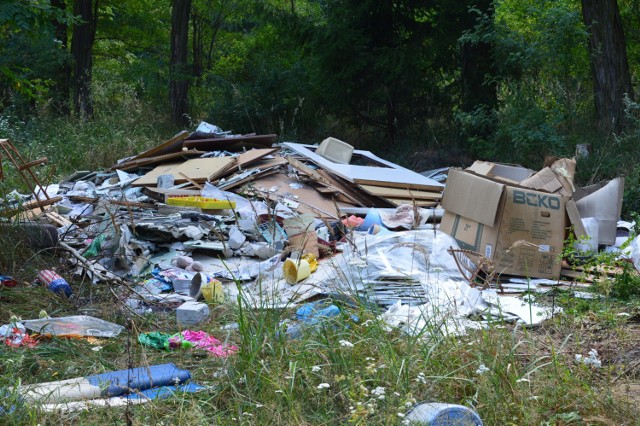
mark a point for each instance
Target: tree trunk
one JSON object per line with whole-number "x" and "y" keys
{"x": 84, "y": 34}
{"x": 476, "y": 67}
{"x": 197, "y": 44}
{"x": 62, "y": 91}
{"x": 178, "y": 67}
{"x": 609, "y": 65}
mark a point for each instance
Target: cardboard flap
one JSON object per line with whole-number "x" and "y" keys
{"x": 605, "y": 204}
{"x": 574, "y": 219}
{"x": 472, "y": 197}
{"x": 545, "y": 180}
{"x": 504, "y": 172}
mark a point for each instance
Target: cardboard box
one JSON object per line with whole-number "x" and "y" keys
{"x": 507, "y": 173}
{"x": 521, "y": 230}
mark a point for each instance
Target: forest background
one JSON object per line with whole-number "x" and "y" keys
{"x": 423, "y": 83}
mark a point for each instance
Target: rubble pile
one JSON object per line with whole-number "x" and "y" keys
{"x": 213, "y": 218}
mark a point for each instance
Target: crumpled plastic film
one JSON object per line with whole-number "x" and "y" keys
{"x": 418, "y": 255}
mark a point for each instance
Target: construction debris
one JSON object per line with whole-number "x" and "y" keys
{"x": 233, "y": 217}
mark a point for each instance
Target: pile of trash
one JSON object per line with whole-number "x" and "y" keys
{"x": 212, "y": 218}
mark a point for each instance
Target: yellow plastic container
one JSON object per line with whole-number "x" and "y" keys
{"x": 212, "y": 292}
{"x": 202, "y": 202}
{"x": 295, "y": 272}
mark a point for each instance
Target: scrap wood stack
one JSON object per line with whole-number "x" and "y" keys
{"x": 295, "y": 174}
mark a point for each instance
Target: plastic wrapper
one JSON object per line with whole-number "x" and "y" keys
{"x": 78, "y": 325}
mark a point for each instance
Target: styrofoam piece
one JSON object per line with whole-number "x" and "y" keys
{"x": 191, "y": 313}
{"x": 335, "y": 150}
{"x": 236, "y": 238}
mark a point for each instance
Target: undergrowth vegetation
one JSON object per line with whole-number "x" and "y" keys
{"x": 341, "y": 371}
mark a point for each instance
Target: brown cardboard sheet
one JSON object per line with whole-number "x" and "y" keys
{"x": 198, "y": 169}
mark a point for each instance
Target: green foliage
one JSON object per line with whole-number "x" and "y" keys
{"x": 29, "y": 51}
{"x": 623, "y": 285}
{"x": 542, "y": 71}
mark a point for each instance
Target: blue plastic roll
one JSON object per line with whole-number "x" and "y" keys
{"x": 372, "y": 218}
{"x": 442, "y": 414}
{"x": 121, "y": 382}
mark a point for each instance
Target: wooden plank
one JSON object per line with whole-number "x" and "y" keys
{"x": 393, "y": 184}
{"x": 198, "y": 169}
{"x": 232, "y": 143}
{"x": 385, "y": 192}
{"x": 172, "y": 145}
{"x": 40, "y": 203}
{"x": 154, "y": 161}
{"x": 58, "y": 219}
{"x": 33, "y": 163}
{"x": 252, "y": 156}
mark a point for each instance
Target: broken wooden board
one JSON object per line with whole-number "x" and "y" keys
{"x": 232, "y": 143}
{"x": 262, "y": 167}
{"x": 172, "y": 145}
{"x": 353, "y": 193}
{"x": 154, "y": 161}
{"x": 307, "y": 198}
{"x": 198, "y": 170}
{"x": 251, "y": 156}
{"x": 40, "y": 203}
{"x": 58, "y": 219}
{"x": 385, "y": 192}
{"x": 384, "y": 173}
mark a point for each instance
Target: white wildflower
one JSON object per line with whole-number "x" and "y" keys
{"x": 379, "y": 392}
{"x": 401, "y": 415}
{"x": 482, "y": 369}
{"x": 421, "y": 378}
{"x": 316, "y": 368}
{"x": 324, "y": 386}
{"x": 346, "y": 344}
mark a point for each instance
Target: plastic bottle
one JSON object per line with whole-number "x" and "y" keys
{"x": 54, "y": 282}
{"x": 442, "y": 414}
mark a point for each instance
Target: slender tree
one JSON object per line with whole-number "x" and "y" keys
{"x": 84, "y": 34}
{"x": 178, "y": 67}
{"x": 609, "y": 64}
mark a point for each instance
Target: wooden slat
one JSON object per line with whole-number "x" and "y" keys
{"x": 385, "y": 192}
{"x": 172, "y": 145}
{"x": 33, "y": 163}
